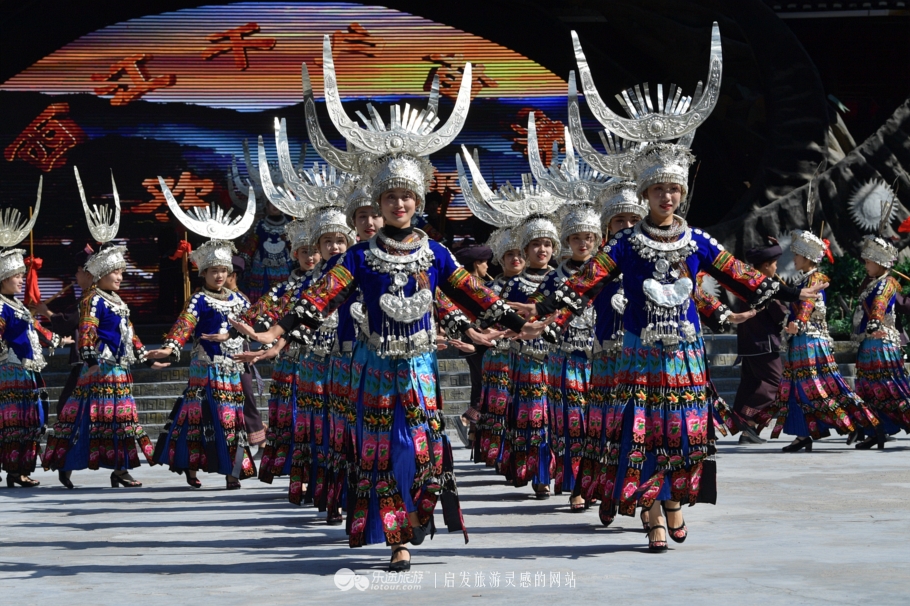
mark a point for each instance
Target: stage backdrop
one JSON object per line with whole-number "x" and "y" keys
{"x": 176, "y": 94}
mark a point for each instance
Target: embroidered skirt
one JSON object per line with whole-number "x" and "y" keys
{"x": 400, "y": 456}
{"x": 208, "y": 432}
{"x": 495, "y": 396}
{"x": 882, "y": 382}
{"x": 276, "y": 456}
{"x": 813, "y": 395}
{"x": 656, "y": 426}
{"x": 568, "y": 376}
{"x": 309, "y": 450}
{"x": 528, "y": 446}
{"x": 22, "y": 410}
{"x": 99, "y": 425}
{"x": 599, "y": 403}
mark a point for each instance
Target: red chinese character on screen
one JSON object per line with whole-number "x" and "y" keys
{"x": 129, "y": 80}
{"x": 450, "y": 69}
{"x": 357, "y": 41}
{"x": 188, "y": 185}
{"x": 548, "y": 131}
{"x": 46, "y": 140}
{"x": 232, "y": 41}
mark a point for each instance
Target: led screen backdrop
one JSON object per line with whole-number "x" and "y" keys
{"x": 176, "y": 94}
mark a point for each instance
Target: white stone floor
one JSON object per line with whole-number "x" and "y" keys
{"x": 830, "y": 527}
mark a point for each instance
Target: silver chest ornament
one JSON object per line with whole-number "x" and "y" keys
{"x": 400, "y": 308}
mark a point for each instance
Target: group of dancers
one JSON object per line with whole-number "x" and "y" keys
{"x": 595, "y": 376}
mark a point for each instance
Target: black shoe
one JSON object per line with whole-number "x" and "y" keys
{"x": 334, "y": 519}
{"x": 852, "y": 437}
{"x": 124, "y": 480}
{"x": 750, "y": 437}
{"x": 798, "y": 444}
{"x": 541, "y": 491}
{"x": 23, "y": 481}
{"x": 657, "y": 546}
{"x": 420, "y": 533}
{"x": 400, "y": 565}
{"x": 64, "y": 477}
{"x": 678, "y": 534}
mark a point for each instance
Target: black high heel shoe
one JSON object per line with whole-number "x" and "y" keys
{"x": 798, "y": 445}
{"x": 123, "y": 480}
{"x": 541, "y": 491}
{"x": 400, "y": 565}
{"x": 193, "y": 481}
{"x": 678, "y": 534}
{"x": 334, "y": 518}
{"x": 22, "y": 481}
{"x": 64, "y": 477}
{"x": 655, "y": 546}
{"x": 420, "y": 533}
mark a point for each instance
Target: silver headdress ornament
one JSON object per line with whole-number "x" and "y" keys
{"x": 212, "y": 222}
{"x": 538, "y": 226}
{"x": 103, "y": 223}
{"x": 409, "y": 132}
{"x": 13, "y": 229}
{"x": 361, "y": 197}
{"x": 670, "y": 120}
{"x": 619, "y": 198}
{"x": 501, "y": 241}
{"x": 508, "y": 205}
{"x": 806, "y": 243}
{"x": 238, "y": 186}
{"x": 877, "y": 248}
{"x": 330, "y": 220}
{"x": 577, "y": 218}
{"x": 298, "y": 234}
{"x": 662, "y": 163}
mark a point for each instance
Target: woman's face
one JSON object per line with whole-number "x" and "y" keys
{"x": 366, "y": 222}
{"x": 874, "y": 270}
{"x": 663, "y": 200}
{"x": 398, "y": 206}
{"x": 111, "y": 281}
{"x": 13, "y": 284}
{"x": 512, "y": 262}
{"x": 332, "y": 244}
{"x": 582, "y": 245}
{"x": 801, "y": 263}
{"x": 215, "y": 277}
{"x": 538, "y": 252}
{"x": 481, "y": 267}
{"x": 307, "y": 257}
{"x": 623, "y": 221}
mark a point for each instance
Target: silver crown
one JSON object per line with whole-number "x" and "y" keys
{"x": 572, "y": 179}
{"x": 13, "y": 226}
{"x": 578, "y": 218}
{"x": 409, "y": 131}
{"x": 12, "y": 262}
{"x": 361, "y": 197}
{"x": 212, "y": 221}
{"x": 330, "y": 220}
{"x": 103, "y": 223}
{"x": 662, "y": 163}
{"x": 879, "y": 250}
{"x": 621, "y": 197}
{"x": 108, "y": 258}
{"x": 298, "y": 233}
{"x": 508, "y": 205}
{"x": 213, "y": 253}
{"x": 538, "y": 226}
{"x": 401, "y": 170}
{"x": 501, "y": 241}
{"x": 809, "y": 245}
{"x": 670, "y": 120}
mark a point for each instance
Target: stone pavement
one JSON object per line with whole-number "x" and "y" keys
{"x": 828, "y": 527}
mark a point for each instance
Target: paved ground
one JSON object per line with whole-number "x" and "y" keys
{"x": 828, "y": 527}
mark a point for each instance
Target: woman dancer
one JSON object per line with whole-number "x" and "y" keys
{"x": 208, "y": 431}
{"x": 881, "y": 379}
{"x": 99, "y": 424}
{"x": 813, "y": 395}
{"x": 22, "y": 396}
{"x": 401, "y": 450}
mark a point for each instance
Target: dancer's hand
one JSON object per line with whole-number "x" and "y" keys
{"x": 66, "y": 341}
{"x": 441, "y": 342}
{"x": 792, "y": 328}
{"x": 486, "y": 338}
{"x": 265, "y": 338}
{"x": 160, "y": 365}
{"x": 461, "y": 346}
{"x": 157, "y": 354}
{"x": 741, "y": 317}
{"x": 532, "y": 330}
{"x": 879, "y": 334}
{"x": 219, "y": 337}
{"x": 525, "y": 310}
{"x": 812, "y": 292}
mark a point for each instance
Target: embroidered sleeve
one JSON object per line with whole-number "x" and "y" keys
{"x": 476, "y": 300}
{"x": 746, "y": 283}
{"x": 877, "y": 309}
{"x": 267, "y": 310}
{"x": 581, "y": 288}
{"x": 49, "y": 338}
{"x": 325, "y": 295}
{"x": 451, "y": 319}
{"x": 183, "y": 329}
{"x": 714, "y": 313}
{"x": 88, "y": 329}
{"x": 138, "y": 347}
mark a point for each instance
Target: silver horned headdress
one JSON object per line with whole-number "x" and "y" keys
{"x": 877, "y": 248}
{"x": 538, "y": 226}
{"x": 806, "y": 243}
{"x": 668, "y": 119}
{"x": 662, "y": 163}
{"x": 298, "y": 234}
{"x": 620, "y": 198}
{"x": 13, "y": 229}
{"x": 103, "y": 223}
{"x": 577, "y": 218}
{"x": 212, "y": 222}
{"x": 330, "y": 220}
{"x": 501, "y": 241}
{"x": 360, "y": 197}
